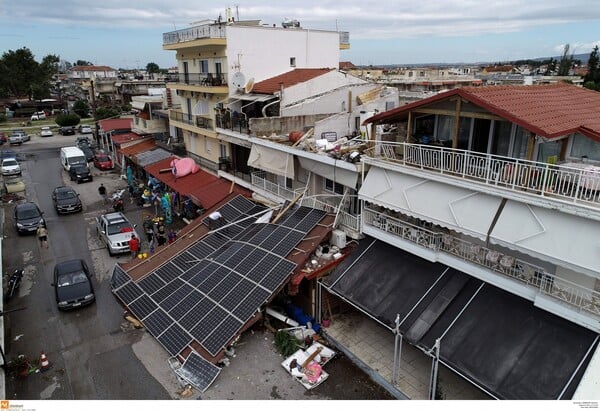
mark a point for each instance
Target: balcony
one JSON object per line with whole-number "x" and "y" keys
{"x": 584, "y": 299}
{"x": 205, "y": 31}
{"x": 199, "y": 79}
{"x": 149, "y": 126}
{"x": 575, "y": 184}
{"x": 259, "y": 180}
{"x": 195, "y": 121}
{"x": 233, "y": 121}
{"x": 331, "y": 204}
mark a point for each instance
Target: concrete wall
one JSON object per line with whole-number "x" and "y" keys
{"x": 282, "y": 125}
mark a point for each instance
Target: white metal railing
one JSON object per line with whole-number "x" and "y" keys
{"x": 583, "y": 298}
{"x": 259, "y": 179}
{"x": 331, "y": 204}
{"x": 192, "y": 33}
{"x": 574, "y": 185}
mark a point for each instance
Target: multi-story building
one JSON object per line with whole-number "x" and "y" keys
{"x": 220, "y": 61}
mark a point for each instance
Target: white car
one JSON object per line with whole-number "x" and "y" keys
{"x": 40, "y": 115}
{"x": 85, "y": 129}
{"x": 115, "y": 230}
{"x": 45, "y": 132}
{"x": 10, "y": 167}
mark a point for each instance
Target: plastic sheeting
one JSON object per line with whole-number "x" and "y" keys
{"x": 272, "y": 161}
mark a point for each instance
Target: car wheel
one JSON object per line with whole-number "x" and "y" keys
{"x": 110, "y": 253}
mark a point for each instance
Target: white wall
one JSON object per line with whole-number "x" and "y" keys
{"x": 264, "y": 52}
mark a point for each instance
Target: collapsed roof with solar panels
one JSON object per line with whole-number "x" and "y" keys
{"x": 199, "y": 301}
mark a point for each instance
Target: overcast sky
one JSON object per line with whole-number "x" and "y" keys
{"x": 128, "y": 33}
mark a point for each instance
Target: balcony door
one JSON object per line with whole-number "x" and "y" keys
{"x": 186, "y": 73}
{"x": 481, "y": 135}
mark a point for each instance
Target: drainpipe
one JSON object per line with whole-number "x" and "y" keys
{"x": 264, "y": 109}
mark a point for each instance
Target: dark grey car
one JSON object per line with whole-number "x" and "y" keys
{"x": 66, "y": 200}
{"x": 72, "y": 285}
{"x": 80, "y": 173}
{"x": 28, "y": 217}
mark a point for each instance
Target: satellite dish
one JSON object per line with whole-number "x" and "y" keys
{"x": 249, "y": 85}
{"x": 238, "y": 79}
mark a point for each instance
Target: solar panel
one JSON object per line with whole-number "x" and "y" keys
{"x": 250, "y": 232}
{"x": 157, "y": 322}
{"x": 176, "y": 297}
{"x": 249, "y": 305}
{"x": 221, "y": 335}
{"x": 277, "y": 275}
{"x": 185, "y": 261}
{"x": 175, "y": 339}
{"x": 160, "y": 295}
{"x": 198, "y": 372}
{"x": 215, "y": 240}
{"x": 263, "y": 267}
{"x": 211, "y": 281}
{"x": 263, "y": 234}
{"x": 226, "y": 253}
{"x": 237, "y": 294}
{"x": 151, "y": 283}
{"x": 142, "y": 307}
{"x": 224, "y": 287}
{"x": 203, "y": 328}
{"x": 186, "y": 305}
{"x": 295, "y": 217}
{"x": 192, "y": 318}
{"x": 241, "y": 204}
{"x": 199, "y": 250}
{"x": 129, "y": 292}
{"x": 311, "y": 220}
{"x": 229, "y": 212}
{"x": 119, "y": 277}
{"x": 168, "y": 272}
{"x": 251, "y": 258}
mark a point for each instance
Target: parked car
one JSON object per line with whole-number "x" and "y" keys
{"x": 114, "y": 230}
{"x": 83, "y": 141}
{"x": 88, "y": 152}
{"x": 16, "y": 138}
{"x": 7, "y": 154}
{"x": 14, "y": 185}
{"x": 80, "y": 173}
{"x": 67, "y": 131}
{"x": 72, "y": 284}
{"x": 39, "y": 115}
{"x": 45, "y": 132}
{"x": 102, "y": 161}
{"x": 85, "y": 129}
{"x": 66, "y": 200}
{"x": 28, "y": 217}
{"x": 10, "y": 167}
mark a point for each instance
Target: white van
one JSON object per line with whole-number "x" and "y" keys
{"x": 70, "y": 156}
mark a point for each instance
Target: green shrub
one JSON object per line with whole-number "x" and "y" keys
{"x": 286, "y": 344}
{"x": 65, "y": 120}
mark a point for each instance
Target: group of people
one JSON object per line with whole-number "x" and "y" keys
{"x": 156, "y": 235}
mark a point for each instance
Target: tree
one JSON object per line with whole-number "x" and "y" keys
{"x": 152, "y": 68}
{"x": 65, "y": 120}
{"x": 566, "y": 62}
{"x": 81, "y": 108}
{"x": 21, "y": 75}
{"x": 82, "y": 63}
{"x": 592, "y": 78}
{"x": 106, "y": 112}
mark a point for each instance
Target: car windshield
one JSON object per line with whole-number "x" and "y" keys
{"x": 65, "y": 280}
{"x": 77, "y": 160}
{"x": 65, "y": 194}
{"x": 102, "y": 157}
{"x": 10, "y": 162}
{"x": 28, "y": 213}
{"x": 117, "y": 228}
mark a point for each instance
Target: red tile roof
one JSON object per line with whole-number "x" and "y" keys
{"x": 203, "y": 187}
{"x": 549, "y": 110}
{"x": 345, "y": 65}
{"x": 291, "y": 78}
{"x": 125, "y": 138}
{"x": 144, "y": 145}
{"x": 115, "y": 124}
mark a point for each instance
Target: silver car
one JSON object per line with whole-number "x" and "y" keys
{"x": 115, "y": 230}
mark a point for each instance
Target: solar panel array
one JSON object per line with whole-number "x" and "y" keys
{"x": 208, "y": 292}
{"x": 198, "y": 372}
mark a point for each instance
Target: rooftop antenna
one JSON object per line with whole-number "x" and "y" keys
{"x": 237, "y": 13}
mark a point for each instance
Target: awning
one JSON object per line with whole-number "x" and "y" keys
{"x": 138, "y": 104}
{"x": 342, "y": 176}
{"x": 204, "y": 188}
{"x": 254, "y": 97}
{"x": 495, "y": 339}
{"x": 271, "y": 160}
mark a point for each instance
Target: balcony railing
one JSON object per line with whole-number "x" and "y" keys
{"x": 583, "y": 298}
{"x": 259, "y": 179}
{"x": 194, "y": 33}
{"x": 233, "y": 121}
{"x": 199, "y": 79}
{"x": 331, "y": 205}
{"x": 196, "y": 121}
{"x": 574, "y": 185}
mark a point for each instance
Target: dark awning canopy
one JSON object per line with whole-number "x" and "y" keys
{"x": 499, "y": 341}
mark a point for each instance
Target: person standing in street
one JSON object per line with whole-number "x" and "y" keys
{"x": 42, "y": 234}
{"x": 134, "y": 246}
{"x": 102, "y": 192}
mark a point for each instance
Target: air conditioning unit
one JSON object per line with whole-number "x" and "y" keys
{"x": 338, "y": 238}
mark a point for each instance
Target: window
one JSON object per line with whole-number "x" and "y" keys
{"x": 584, "y": 147}
{"x": 520, "y": 144}
{"x": 445, "y": 130}
{"x": 292, "y": 61}
{"x": 207, "y": 144}
{"x": 223, "y": 150}
{"x": 333, "y": 187}
{"x": 203, "y": 66}
{"x": 501, "y": 138}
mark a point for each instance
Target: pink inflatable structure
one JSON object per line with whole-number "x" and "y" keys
{"x": 184, "y": 166}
